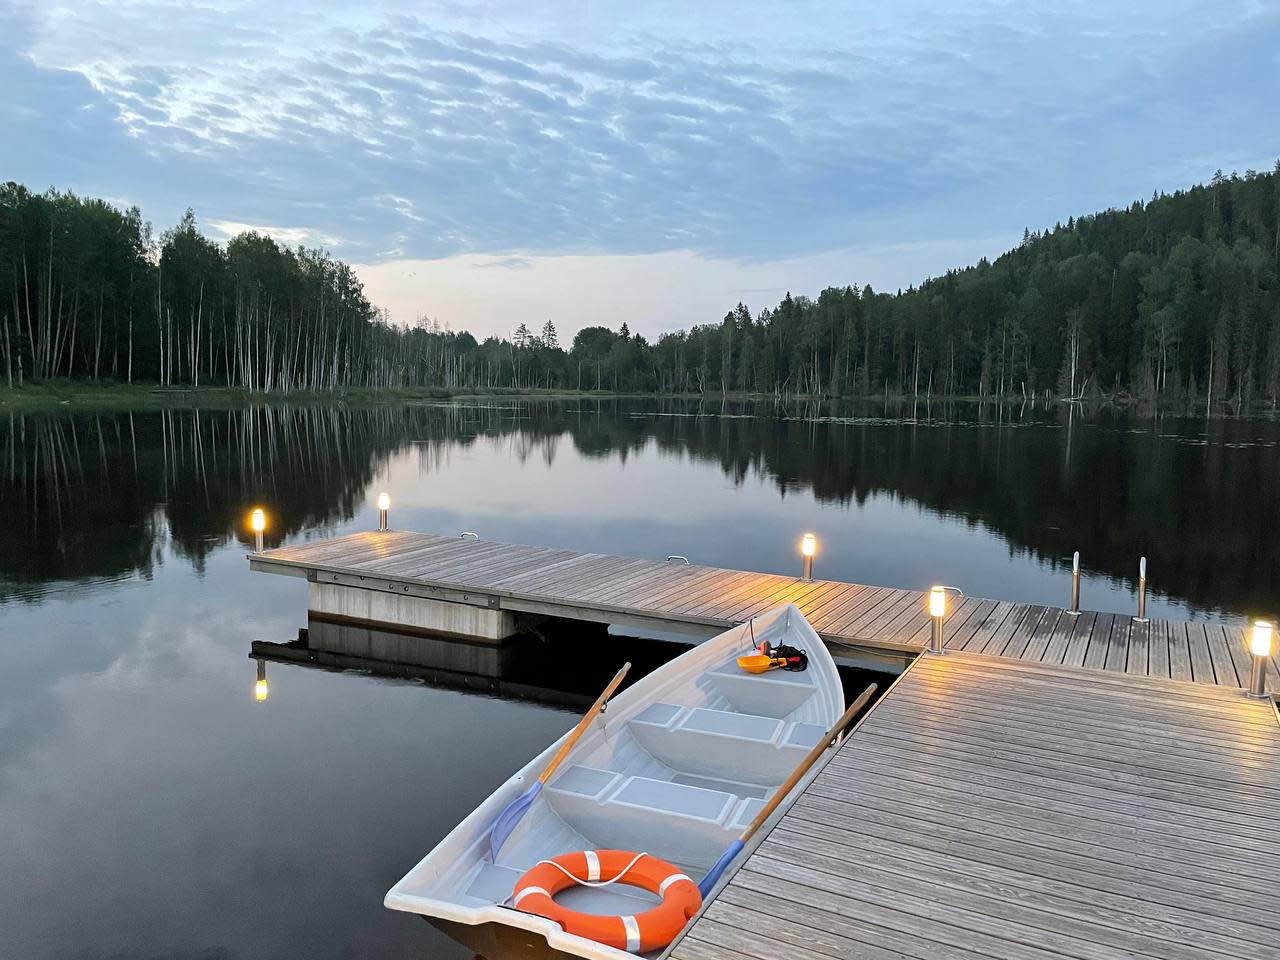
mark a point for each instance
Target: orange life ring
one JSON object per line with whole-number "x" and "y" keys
{"x": 652, "y": 930}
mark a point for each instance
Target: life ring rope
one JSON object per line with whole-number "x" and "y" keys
{"x": 593, "y": 868}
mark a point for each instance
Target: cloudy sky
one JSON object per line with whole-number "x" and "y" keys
{"x": 488, "y": 163}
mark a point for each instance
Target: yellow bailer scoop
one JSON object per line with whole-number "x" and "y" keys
{"x": 759, "y": 662}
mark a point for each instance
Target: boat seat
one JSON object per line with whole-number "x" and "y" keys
{"x": 746, "y": 813}
{"x": 675, "y": 821}
{"x": 777, "y": 693}
{"x": 723, "y": 744}
{"x": 585, "y": 781}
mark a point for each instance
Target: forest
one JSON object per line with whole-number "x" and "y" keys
{"x": 1173, "y": 300}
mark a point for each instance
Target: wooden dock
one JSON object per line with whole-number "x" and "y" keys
{"x": 654, "y": 594}
{"x": 994, "y": 808}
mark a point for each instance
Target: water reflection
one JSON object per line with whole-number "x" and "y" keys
{"x": 561, "y": 665}
{"x": 151, "y": 806}
{"x": 90, "y": 497}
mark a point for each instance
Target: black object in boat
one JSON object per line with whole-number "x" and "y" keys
{"x": 796, "y": 659}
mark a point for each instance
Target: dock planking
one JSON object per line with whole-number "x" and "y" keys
{"x": 991, "y": 807}
{"x": 632, "y": 590}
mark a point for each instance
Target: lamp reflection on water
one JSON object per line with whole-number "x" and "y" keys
{"x": 260, "y": 689}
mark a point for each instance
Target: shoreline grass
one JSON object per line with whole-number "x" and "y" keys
{"x": 54, "y": 395}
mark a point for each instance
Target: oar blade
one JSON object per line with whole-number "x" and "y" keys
{"x": 510, "y": 818}
{"x": 714, "y": 873}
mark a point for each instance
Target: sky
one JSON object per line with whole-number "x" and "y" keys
{"x": 487, "y": 164}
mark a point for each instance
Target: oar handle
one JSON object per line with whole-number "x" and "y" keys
{"x": 780, "y": 794}
{"x": 585, "y": 722}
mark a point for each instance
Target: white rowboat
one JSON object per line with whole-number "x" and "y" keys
{"x": 677, "y": 767}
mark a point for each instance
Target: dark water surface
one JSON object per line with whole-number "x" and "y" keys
{"x": 150, "y": 808}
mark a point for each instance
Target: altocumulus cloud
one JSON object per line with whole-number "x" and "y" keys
{"x": 748, "y": 132}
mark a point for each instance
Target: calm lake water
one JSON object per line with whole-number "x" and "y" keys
{"x": 150, "y": 808}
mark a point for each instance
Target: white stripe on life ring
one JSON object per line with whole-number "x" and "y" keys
{"x": 633, "y": 934}
{"x": 525, "y": 892}
{"x": 670, "y": 880}
{"x": 593, "y": 865}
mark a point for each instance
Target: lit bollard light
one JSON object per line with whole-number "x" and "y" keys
{"x": 384, "y": 506}
{"x": 260, "y": 689}
{"x": 1142, "y": 592}
{"x": 1260, "y": 647}
{"x": 808, "y": 547}
{"x": 1075, "y": 585}
{"x": 938, "y": 614}
{"x": 258, "y": 521}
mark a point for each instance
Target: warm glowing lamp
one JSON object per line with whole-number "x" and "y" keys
{"x": 260, "y": 689}
{"x": 258, "y": 521}
{"x": 938, "y": 614}
{"x": 1260, "y": 640}
{"x": 808, "y": 547}
{"x": 384, "y": 505}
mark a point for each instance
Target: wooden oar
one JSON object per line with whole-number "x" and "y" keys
{"x": 780, "y": 794}
{"x": 510, "y": 817}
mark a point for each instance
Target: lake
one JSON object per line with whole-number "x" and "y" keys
{"x": 149, "y": 807}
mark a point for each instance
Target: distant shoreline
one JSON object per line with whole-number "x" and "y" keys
{"x": 80, "y": 395}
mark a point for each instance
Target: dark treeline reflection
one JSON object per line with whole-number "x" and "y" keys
{"x": 94, "y": 496}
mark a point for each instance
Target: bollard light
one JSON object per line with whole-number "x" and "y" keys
{"x": 808, "y": 547}
{"x": 938, "y": 614}
{"x": 384, "y": 505}
{"x": 1260, "y": 639}
{"x": 938, "y": 611}
{"x": 260, "y": 689}
{"x": 258, "y": 521}
{"x": 1075, "y": 585}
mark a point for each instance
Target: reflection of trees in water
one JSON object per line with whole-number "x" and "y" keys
{"x": 91, "y": 497}
{"x": 81, "y": 492}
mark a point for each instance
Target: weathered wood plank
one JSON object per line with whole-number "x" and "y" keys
{"x": 1037, "y": 641}
{"x": 978, "y": 630}
{"x": 1012, "y": 627}
{"x": 837, "y": 621}
{"x": 1235, "y": 649}
{"x": 1158, "y": 650}
{"x": 1224, "y": 668}
{"x": 1095, "y": 656}
{"x": 1078, "y": 642}
{"x": 1198, "y": 646}
{"x": 1118, "y": 644}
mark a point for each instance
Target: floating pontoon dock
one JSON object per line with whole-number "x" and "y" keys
{"x": 991, "y": 808}
{"x": 485, "y": 590}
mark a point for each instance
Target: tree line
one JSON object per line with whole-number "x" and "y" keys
{"x": 1175, "y": 299}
